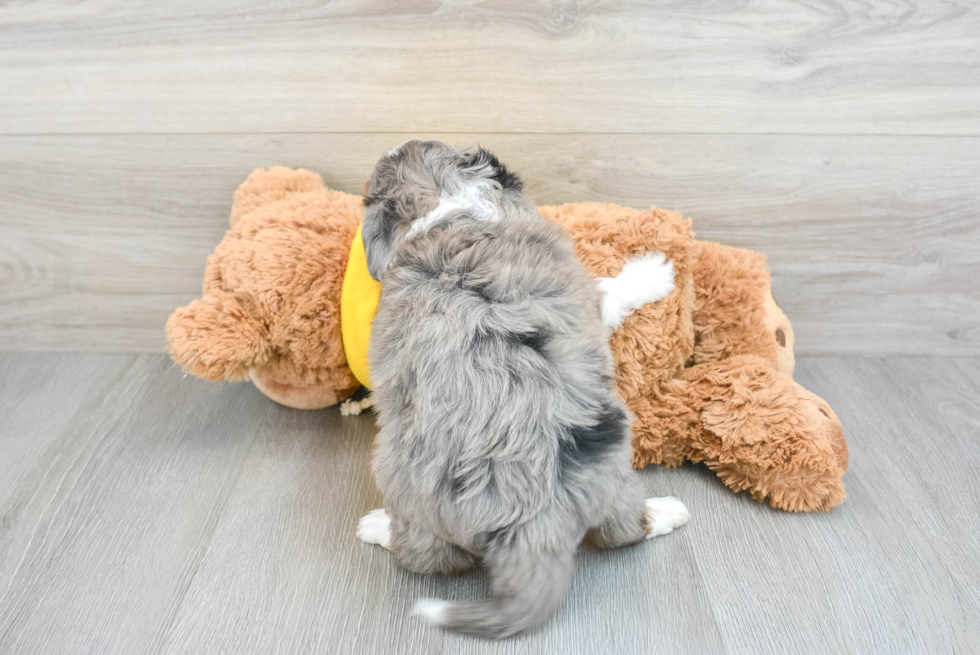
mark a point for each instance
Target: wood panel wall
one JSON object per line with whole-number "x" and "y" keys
{"x": 841, "y": 138}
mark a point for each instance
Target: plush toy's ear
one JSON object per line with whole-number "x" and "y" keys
{"x": 267, "y": 185}
{"x": 215, "y": 338}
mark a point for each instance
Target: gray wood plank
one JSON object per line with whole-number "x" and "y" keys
{"x": 39, "y": 396}
{"x": 874, "y": 241}
{"x": 286, "y": 573}
{"x": 895, "y": 568}
{"x": 968, "y": 372}
{"x": 766, "y": 66}
{"x": 169, "y": 515}
{"x": 102, "y": 531}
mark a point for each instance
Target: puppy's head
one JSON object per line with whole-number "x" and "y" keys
{"x": 421, "y": 182}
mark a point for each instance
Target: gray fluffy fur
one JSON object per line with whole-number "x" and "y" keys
{"x": 502, "y": 439}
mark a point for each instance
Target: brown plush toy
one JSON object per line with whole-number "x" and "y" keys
{"x": 706, "y": 371}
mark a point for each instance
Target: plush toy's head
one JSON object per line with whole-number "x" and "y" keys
{"x": 270, "y": 309}
{"x": 735, "y": 312}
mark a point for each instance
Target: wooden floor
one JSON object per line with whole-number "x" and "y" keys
{"x": 143, "y": 511}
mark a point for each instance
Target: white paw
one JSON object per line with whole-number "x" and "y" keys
{"x": 665, "y": 514}
{"x": 432, "y": 610}
{"x": 375, "y": 528}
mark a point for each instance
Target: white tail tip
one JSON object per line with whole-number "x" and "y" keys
{"x": 431, "y": 610}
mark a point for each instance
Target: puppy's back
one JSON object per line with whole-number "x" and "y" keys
{"x": 487, "y": 351}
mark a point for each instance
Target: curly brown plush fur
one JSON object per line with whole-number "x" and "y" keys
{"x": 270, "y": 309}
{"x": 707, "y": 371}
{"x": 731, "y": 278}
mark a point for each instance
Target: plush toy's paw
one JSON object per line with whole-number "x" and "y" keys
{"x": 646, "y": 278}
{"x": 375, "y": 528}
{"x": 665, "y": 514}
{"x": 217, "y": 338}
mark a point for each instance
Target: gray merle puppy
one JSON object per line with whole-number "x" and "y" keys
{"x": 502, "y": 439}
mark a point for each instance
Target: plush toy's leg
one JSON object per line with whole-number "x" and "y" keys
{"x": 735, "y": 312}
{"x": 664, "y": 426}
{"x": 414, "y": 549}
{"x": 755, "y": 427}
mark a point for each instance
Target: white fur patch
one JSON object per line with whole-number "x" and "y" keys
{"x": 644, "y": 278}
{"x": 474, "y": 198}
{"x": 375, "y": 528}
{"x": 432, "y": 610}
{"x": 665, "y": 514}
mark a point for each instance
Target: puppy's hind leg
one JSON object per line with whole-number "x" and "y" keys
{"x": 626, "y": 521}
{"x": 633, "y": 518}
{"x": 423, "y": 552}
{"x": 416, "y": 550}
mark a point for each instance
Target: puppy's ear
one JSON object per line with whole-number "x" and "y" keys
{"x": 380, "y": 233}
{"x": 387, "y": 223}
{"x": 485, "y": 164}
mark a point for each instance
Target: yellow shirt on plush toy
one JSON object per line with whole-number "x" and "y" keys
{"x": 358, "y": 306}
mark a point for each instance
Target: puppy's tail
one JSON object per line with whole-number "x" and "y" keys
{"x": 526, "y": 590}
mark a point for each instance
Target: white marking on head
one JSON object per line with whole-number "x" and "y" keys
{"x": 476, "y": 199}
{"x": 645, "y": 278}
{"x": 432, "y": 610}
